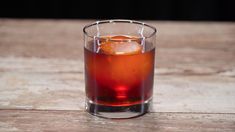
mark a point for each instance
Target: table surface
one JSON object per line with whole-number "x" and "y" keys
{"x": 42, "y": 83}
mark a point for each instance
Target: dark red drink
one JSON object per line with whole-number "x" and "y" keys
{"x": 119, "y": 72}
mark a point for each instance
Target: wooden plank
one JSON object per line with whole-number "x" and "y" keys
{"x": 193, "y": 46}
{"x": 200, "y": 46}
{"x": 40, "y": 38}
{"x": 64, "y": 39}
{"x": 27, "y": 120}
{"x": 58, "y": 84}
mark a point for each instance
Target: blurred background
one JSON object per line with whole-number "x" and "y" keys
{"x": 200, "y": 10}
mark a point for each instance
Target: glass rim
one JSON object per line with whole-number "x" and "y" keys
{"x": 119, "y": 21}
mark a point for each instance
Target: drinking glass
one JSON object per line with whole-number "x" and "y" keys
{"x": 119, "y": 68}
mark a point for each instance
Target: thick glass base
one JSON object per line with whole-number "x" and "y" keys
{"x": 118, "y": 112}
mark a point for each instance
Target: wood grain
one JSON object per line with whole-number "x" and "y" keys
{"x": 41, "y": 72}
{"x": 57, "y": 84}
{"x": 23, "y": 120}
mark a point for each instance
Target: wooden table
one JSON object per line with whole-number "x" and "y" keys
{"x": 42, "y": 84}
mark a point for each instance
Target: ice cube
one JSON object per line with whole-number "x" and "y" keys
{"x": 120, "y": 48}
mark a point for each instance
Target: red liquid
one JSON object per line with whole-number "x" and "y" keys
{"x": 116, "y": 78}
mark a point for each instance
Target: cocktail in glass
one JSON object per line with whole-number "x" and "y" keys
{"x": 119, "y": 68}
